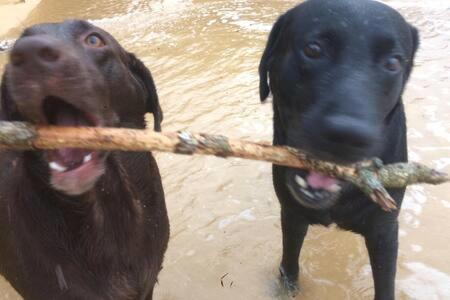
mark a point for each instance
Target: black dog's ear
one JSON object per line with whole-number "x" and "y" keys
{"x": 415, "y": 39}
{"x": 138, "y": 68}
{"x": 415, "y": 45}
{"x": 267, "y": 57}
{"x": 8, "y": 110}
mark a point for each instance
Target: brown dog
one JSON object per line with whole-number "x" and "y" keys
{"x": 74, "y": 223}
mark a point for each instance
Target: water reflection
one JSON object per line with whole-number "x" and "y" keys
{"x": 226, "y": 240}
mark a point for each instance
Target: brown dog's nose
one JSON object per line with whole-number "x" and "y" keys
{"x": 42, "y": 51}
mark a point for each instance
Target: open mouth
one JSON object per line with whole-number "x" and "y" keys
{"x": 312, "y": 189}
{"x": 72, "y": 171}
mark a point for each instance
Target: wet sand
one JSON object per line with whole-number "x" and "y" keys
{"x": 14, "y": 12}
{"x": 225, "y": 231}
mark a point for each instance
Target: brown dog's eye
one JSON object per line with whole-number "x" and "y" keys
{"x": 313, "y": 50}
{"x": 93, "y": 40}
{"x": 393, "y": 64}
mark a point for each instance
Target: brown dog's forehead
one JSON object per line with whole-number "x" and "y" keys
{"x": 66, "y": 30}
{"x": 69, "y": 27}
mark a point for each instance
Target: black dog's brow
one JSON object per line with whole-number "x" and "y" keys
{"x": 331, "y": 36}
{"x": 384, "y": 44}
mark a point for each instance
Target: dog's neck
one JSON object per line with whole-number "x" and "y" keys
{"x": 105, "y": 220}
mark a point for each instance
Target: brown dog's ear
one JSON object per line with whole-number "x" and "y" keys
{"x": 8, "y": 110}
{"x": 267, "y": 57}
{"x": 138, "y": 68}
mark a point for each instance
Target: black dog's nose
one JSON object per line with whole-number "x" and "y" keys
{"x": 348, "y": 130}
{"x": 36, "y": 50}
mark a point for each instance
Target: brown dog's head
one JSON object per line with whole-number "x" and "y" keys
{"x": 76, "y": 74}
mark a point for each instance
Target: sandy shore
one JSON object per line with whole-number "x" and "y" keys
{"x": 13, "y": 12}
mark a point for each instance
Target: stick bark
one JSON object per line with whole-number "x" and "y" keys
{"x": 372, "y": 177}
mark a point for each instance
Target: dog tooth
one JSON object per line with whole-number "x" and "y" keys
{"x": 300, "y": 181}
{"x": 57, "y": 167}
{"x": 319, "y": 194}
{"x": 307, "y": 193}
{"x": 334, "y": 188}
{"x": 87, "y": 158}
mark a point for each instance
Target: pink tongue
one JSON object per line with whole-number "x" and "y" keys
{"x": 319, "y": 181}
{"x": 71, "y": 157}
{"x": 68, "y": 157}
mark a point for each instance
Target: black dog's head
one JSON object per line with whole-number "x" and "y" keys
{"x": 76, "y": 74}
{"x": 337, "y": 70}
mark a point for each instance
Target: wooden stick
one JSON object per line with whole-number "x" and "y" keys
{"x": 372, "y": 177}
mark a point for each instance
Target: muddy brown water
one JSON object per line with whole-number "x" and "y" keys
{"x": 225, "y": 231}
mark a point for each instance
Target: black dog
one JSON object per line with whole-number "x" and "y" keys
{"x": 79, "y": 224}
{"x": 337, "y": 71}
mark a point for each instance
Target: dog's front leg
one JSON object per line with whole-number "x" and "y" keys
{"x": 382, "y": 245}
{"x": 294, "y": 229}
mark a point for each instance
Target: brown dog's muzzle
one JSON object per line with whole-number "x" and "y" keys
{"x": 37, "y": 52}
{"x": 34, "y": 62}
{"x": 51, "y": 83}
{"x": 42, "y": 69}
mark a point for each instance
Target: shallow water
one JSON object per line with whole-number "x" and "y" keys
{"x": 225, "y": 238}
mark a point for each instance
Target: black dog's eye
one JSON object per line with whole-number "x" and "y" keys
{"x": 393, "y": 64}
{"x": 94, "y": 40}
{"x": 313, "y": 50}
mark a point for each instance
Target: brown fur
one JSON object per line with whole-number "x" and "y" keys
{"x": 109, "y": 242}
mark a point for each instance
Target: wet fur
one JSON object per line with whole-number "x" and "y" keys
{"x": 108, "y": 243}
{"x": 290, "y": 83}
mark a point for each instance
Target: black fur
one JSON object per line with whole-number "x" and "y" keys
{"x": 342, "y": 105}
